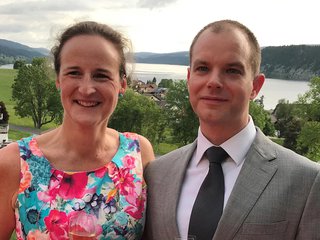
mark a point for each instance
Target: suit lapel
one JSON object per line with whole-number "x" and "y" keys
{"x": 257, "y": 171}
{"x": 173, "y": 183}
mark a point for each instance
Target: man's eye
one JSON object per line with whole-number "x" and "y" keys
{"x": 234, "y": 71}
{"x": 202, "y": 69}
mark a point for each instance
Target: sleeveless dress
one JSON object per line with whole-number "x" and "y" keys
{"x": 114, "y": 194}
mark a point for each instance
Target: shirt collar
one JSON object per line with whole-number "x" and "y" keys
{"x": 236, "y": 146}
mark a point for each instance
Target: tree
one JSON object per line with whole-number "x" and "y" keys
{"x": 308, "y": 142}
{"x": 137, "y": 113}
{"x": 19, "y": 64}
{"x": 35, "y": 94}
{"x": 165, "y": 83}
{"x": 154, "y": 80}
{"x": 261, "y": 117}
{"x": 180, "y": 115}
{"x": 4, "y": 116}
{"x": 311, "y": 101}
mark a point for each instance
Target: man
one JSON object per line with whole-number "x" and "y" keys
{"x": 269, "y": 192}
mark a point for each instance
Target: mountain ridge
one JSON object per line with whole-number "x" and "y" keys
{"x": 293, "y": 62}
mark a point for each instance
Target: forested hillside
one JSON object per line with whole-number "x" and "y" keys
{"x": 12, "y": 51}
{"x": 175, "y": 58}
{"x": 295, "y": 62}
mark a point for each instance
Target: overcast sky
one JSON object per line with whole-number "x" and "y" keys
{"x": 161, "y": 25}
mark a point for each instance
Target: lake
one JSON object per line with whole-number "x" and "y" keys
{"x": 273, "y": 89}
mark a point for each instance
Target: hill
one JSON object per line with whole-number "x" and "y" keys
{"x": 11, "y": 51}
{"x": 175, "y": 58}
{"x": 295, "y": 62}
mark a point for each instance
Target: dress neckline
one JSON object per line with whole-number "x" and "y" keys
{"x": 53, "y": 169}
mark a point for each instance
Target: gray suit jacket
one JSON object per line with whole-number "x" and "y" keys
{"x": 276, "y": 195}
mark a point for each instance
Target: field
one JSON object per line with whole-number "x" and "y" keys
{"x": 6, "y": 80}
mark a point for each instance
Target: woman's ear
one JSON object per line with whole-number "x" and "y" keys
{"x": 57, "y": 84}
{"x": 123, "y": 85}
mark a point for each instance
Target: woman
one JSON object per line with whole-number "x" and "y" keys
{"x": 81, "y": 166}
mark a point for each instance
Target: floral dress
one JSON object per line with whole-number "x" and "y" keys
{"x": 115, "y": 194}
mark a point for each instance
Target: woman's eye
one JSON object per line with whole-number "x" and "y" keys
{"x": 101, "y": 76}
{"x": 74, "y": 73}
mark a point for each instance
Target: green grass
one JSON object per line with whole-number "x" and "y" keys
{"x": 6, "y": 80}
{"x": 16, "y": 135}
{"x": 13, "y": 236}
{"x": 277, "y": 140}
{"x": 164, "y": 148}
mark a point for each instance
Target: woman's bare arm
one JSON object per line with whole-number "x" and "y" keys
{"x": 9, "y": 185}
{"x": 147, "y": 153}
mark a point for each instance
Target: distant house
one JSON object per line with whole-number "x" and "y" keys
{"x": 150, "y": 90}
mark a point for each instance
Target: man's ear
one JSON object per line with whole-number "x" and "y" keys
{"x": 257, "y": 85}
{"x": 188, "y": 77}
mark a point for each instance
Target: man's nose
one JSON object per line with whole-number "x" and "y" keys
{"x": 215, "y": 80}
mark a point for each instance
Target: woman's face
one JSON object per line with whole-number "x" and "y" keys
{"x": 89, "y": 79}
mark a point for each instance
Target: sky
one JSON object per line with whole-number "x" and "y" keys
{"x": 161, "y": 26}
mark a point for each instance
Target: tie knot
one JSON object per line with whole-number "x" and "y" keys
{"x": 216, "y": 154}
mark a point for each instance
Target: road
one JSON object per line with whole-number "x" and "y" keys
{"x": 24, "y": 129}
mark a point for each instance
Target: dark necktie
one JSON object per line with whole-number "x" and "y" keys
{"x": 208, "y": 207}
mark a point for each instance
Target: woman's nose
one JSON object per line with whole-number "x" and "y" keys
{"x": 86, "y": 86}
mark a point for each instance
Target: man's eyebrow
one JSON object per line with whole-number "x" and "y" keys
{"x": 236, "y": 64}
{"x": 199, "y": 62}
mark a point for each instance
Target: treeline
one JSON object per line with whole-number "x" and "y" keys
{"x": 11, "y": 51}
{"x": 174, "y": 122}
{"x": 295, "y": 62}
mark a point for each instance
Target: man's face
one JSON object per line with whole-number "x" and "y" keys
{"x": 220, "y": 79}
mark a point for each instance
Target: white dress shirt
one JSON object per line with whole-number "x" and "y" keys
{"x": 237, "y": 148}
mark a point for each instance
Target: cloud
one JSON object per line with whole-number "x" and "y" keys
{"x": 154, "y": 3}
{"x": 31, "y": 7}
{"x": 11, "y": 28}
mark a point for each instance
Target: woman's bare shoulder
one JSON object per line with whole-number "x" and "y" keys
{"x": 9, "y": 159}
{"x": 147, "y": 153}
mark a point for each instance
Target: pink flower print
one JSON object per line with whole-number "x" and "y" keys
{"x": 48, "y": 194}
{"x": 128, "y": 162}
{"x": 137, "y": 209}
{"x": 101, "y": 172}
{"x": 73, "y": 185}
{"x": 34, "y": 148}
{"x": 19, "y": 232}
{"x": 57, "y": 225}
{"x": 25, "y": 175}
{"x": 37, "y": 235}
{"x": 135, "y": 193}
{"x": 130, "y": 135}
{"x": 122, "y": 179}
